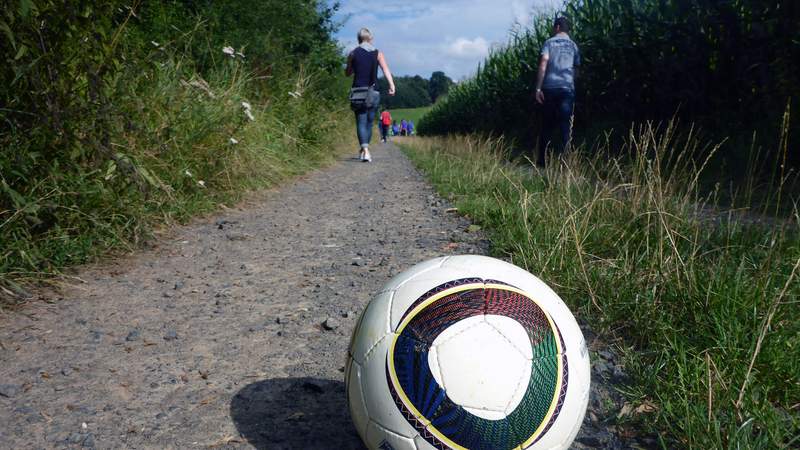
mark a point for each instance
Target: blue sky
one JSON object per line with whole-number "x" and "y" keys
{"x": 419, "y": 37}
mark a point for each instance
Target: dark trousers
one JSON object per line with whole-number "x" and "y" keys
{"x": 384, "y": 131}
{"x": 556, "y": 112}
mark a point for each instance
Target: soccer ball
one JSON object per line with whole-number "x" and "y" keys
{"x": 467, "y": 352}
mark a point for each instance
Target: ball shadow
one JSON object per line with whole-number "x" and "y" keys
{"x": 295, "y": 413}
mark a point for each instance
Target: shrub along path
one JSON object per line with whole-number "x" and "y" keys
{"x": 233, "y": 331}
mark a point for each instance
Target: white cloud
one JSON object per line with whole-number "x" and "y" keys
{"x": 419, "y": 37}
{"x": 470, "y": 49}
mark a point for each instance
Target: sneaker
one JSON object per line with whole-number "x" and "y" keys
{"x": 367, "y": 157}
{"x": 361, "y": 155}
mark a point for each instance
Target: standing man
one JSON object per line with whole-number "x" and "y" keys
{"x": 555, "y": 87}
{"x": 385, "y": 123}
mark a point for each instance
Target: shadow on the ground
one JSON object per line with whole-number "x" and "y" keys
{"x": 295, "y": 413}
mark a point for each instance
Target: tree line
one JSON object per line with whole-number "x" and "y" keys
{"x": 415, "y": 91}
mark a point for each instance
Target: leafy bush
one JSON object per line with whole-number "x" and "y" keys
{"x": 114, "y": 119}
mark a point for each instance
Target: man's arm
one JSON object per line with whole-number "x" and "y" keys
{"x": 540, "y": 77}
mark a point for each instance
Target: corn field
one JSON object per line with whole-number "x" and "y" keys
{"x": 731, "y": 65}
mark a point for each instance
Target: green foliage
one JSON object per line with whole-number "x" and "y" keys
{"x": 414, "y": 92}
{"x": 411, "y": 92}
{"x": 274, "y": 35}
{"x": 114, "y": 119}
{"x": 730, "y": 65}
{"x": 439, "y": 85}
{"x": 701, "y": 299}
{"x": 413, "y": 114}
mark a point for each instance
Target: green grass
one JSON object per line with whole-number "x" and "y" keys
{"x": 173, "y": 161}
{"x": 701, "y": 302}
{"x": 414, "y": 114}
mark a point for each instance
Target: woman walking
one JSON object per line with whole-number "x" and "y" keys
{"x": 363, "y": 63}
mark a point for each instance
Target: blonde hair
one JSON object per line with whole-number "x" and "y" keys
{"x": 364, "y": 35}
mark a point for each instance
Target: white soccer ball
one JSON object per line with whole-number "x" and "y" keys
{"x": 467, "y": 352}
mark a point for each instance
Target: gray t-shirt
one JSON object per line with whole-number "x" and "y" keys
{"x": 563, "y": 57}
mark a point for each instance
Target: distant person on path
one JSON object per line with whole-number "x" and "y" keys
{"x": 410, "y": 127}
{"x": 395, "y": 128}
{"x": 403, "y": 127}
{"x": 385, "y": 123}
{"x": 363, "y": 63}
{"x": 555, "y": 87}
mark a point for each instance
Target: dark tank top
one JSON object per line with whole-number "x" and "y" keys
{"x": 365, "y": 67}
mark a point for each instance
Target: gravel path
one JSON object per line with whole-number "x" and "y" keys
{"x": 232, "y": 332}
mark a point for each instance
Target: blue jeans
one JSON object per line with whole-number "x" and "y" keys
{"x": 365, "y": 118}
{"x": 557, "y": 112}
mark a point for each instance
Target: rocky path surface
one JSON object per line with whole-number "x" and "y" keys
{"x": 232, "y": 332}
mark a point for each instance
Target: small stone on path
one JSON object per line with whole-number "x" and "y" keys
{"x": 9, "y": 390}
{"x": 330, "y": 324}
{"x": 171, "y": 335}
{"x": 134, "y": 335}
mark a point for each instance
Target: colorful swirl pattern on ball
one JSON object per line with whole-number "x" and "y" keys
{"x": 424, "y": 402}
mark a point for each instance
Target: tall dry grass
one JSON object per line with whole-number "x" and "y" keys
{"x": 700, "y": 298}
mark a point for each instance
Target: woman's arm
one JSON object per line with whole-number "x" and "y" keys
{"x": 386, "y": 72}
{"x": 349, "y": 69}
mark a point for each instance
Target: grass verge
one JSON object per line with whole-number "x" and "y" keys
{"x": 181, "y": 145}
{"x": 414, "y": 114}
{"x": 702, "y": 301}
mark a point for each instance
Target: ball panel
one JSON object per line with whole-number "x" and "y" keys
{"x": 355, "y": 399}
{"x": 513, "y": 331}
{"x": 460, "y": 429}
{"x": 377, "y": 396}
{"x": 381, "y": 438}
{"x": 531, "y": 416}
{"x": 374, "y": 326}
{"x": 415, "y": 289}
{"x": 422, "y": 444}
{"x": 433, "y": 364}
{"x": 480, "y": 369}
{"x": 568, "y": 423}
{"x": 425, "y": 266}
{"x": 495, "y": 269}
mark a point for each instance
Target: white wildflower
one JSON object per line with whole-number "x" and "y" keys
{"x": 187, "y": 173}
{"x": 155, "y": 44}
{"x": 240, "y": 54}
{"x": 201, "y": 183}
{"x": 229, "y": 51}
{"x": 295, "y": 94}
{"x": 233, "y": 141}
{"x": 247, "y": 111}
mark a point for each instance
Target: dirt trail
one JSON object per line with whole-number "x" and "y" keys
{"x": 216, "y": 337}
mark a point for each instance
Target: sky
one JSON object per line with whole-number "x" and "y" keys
{"x": 419, "y": 37}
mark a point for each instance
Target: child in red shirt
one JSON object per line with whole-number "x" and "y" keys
{"x": 385, "y": 123}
